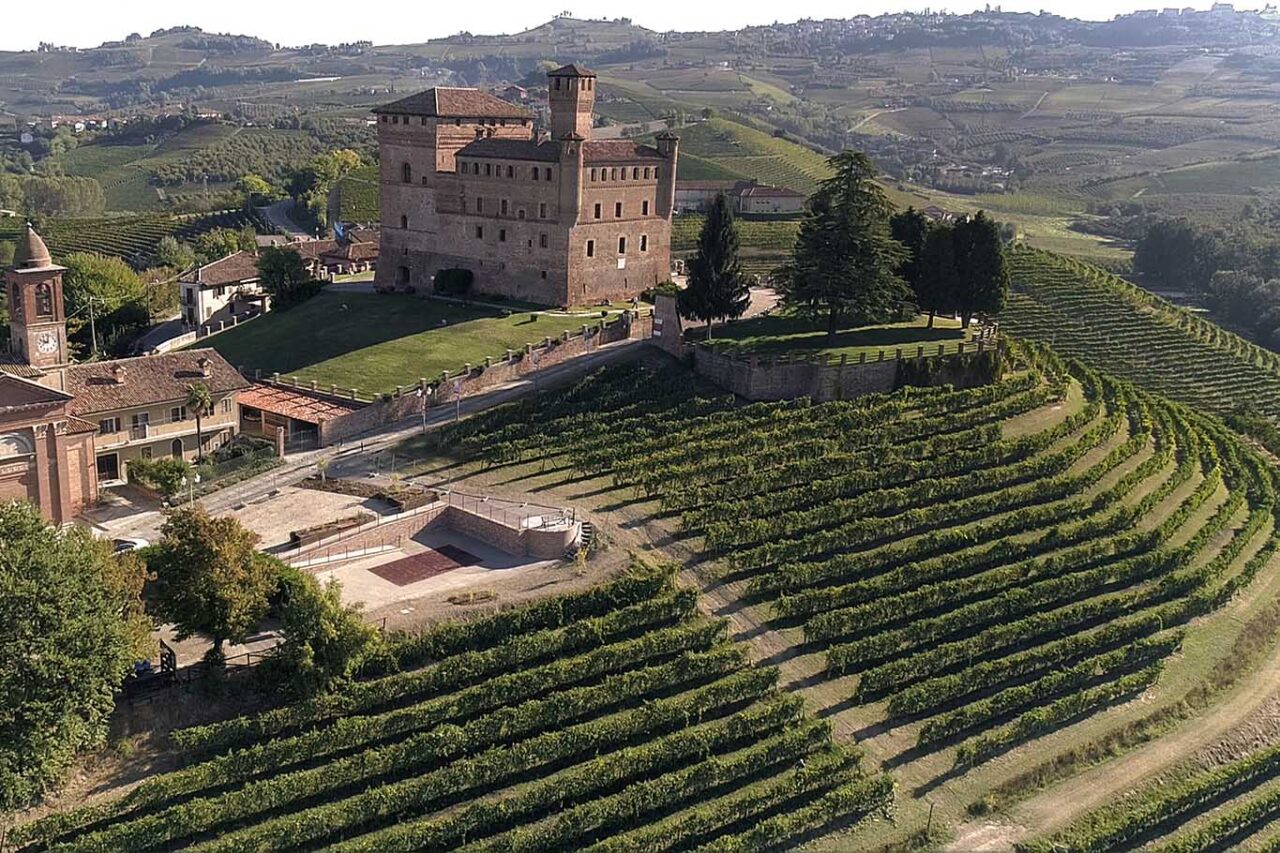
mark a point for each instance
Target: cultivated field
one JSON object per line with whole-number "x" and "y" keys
{"x": 616, "y": 719}
{"x": 989, "y": 590}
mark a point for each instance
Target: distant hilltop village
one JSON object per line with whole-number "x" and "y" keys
{"x": 561, "y": 220}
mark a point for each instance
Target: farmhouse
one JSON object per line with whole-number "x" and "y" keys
{"x": 746, "y": 197}
{"x": 564, "y": 220}
{"x": 216, "y": 292}
{"x": 66, "y": 429}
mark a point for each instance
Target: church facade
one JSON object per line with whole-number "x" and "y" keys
{"x": 564, "y": 220}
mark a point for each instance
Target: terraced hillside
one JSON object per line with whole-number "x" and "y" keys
{"x": 617, "y": 719}
{"x": 1112, "y": 325}
{"x": 947, "y": 575}
{"x": 1206, "y": 808}
{"x": 132, "y": 238}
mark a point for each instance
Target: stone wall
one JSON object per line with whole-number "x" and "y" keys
{"x": 822, "y": 379}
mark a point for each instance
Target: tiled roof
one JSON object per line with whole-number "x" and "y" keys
{"x": 18, "y": 394}
{"x": 296, "y": 404}
{"x": 617, "y": 151}
{"x": 511, "y": 149}
{"x": 354, "y": 252}
{"x": 233, "y": 269}
{"x": 573, "y": 69}
{"x": 78, "y": 425}
{"x": 454, "y": 103}
{"x": 103, "y": 386}
{"x": 362, "y": 235}
{"x": 13, "y": 366}
{"x": 312, "y": 249}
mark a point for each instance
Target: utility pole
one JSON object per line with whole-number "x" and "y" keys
{"x": 93, "y": 328}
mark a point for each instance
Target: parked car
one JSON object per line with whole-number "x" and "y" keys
{"x": 124, "y": 543}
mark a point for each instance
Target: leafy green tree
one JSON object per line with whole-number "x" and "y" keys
{"x": 167, "y": 474}
{"x": 845, "y": 260}
{"x": 219, "y": 242}
{"x": 939, "y": 280}
{"x": 983, "y": 284}
{"x": 325, "y": 642}
{"x": 284, "y": 276}
{"x": 210, "y": 579}
{"x": 199, "y": 401}
{"x": 909, "y": 227}
{"x": 71, "y": 625}
{"x": 171, "y": 253}
{"x": 717, "y": 286}
{"x": 119, "y": 300}
{"x": 256, "y": 188}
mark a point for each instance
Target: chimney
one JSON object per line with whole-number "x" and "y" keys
{"x": 204, "y": 364}
{"x": 117, "y": 373}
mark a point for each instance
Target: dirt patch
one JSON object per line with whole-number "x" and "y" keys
{"x": 419, "y": 567}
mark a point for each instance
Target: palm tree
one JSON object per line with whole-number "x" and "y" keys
{"x": 199, "y": 399}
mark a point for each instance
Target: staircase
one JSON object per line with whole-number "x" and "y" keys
{"x": 586, "y": 541}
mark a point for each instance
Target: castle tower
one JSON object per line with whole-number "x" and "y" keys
{"x": 573, "y": 101}
{"x": 37, "y": 319}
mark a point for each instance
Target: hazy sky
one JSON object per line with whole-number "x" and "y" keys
{"x": 85, "y": 23}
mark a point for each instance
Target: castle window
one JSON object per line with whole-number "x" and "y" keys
{"x": 406, "y": 173}
{"x": 395, "y": 119}
{"x": 557, "y": 84}
{"x": 635, "y": 173}
{"x": 597, "y": 210}
{"x": 520, "y": 213}
{"x": 502, "y": 122}
{"x": 646, "y": 173}
{"x": 479, "y": 232}
{"x": 622, "y": 245}
{"x": 404, "y": 223}
{"x": 644, "y": 242}
{"x": 424, "y": 121}
{"x": 593, "y": 174}
{"x": 544, "y": 274}
{"x": 524, "y": 122}
{"x": 617, "y": 210}
{"x": 488, "y": 170}
{"x": 504, "y": 207}
{"x": 511, "y": 171}
{"x": 613, "y": 174}
{"x": 542, "y": 241}
{"x": 644, "y": 207}
{"x": 542, "y": 210}
{"x": 548, "y": 173}
{"x": 502, "y": 235}
{"x": 534, "y": 173}
{"x": 479, "y": 205}
{"x": 457, "y": 122}
{"x": 591, "y": 248}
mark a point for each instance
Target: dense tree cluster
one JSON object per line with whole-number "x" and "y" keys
{"x": 71, "y": 624}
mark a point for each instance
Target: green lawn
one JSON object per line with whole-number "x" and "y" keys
{"x": 786, "y": 334}
{"x": 378, "y": 341}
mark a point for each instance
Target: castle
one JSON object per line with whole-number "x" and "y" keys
{"x": 564, "y": 220}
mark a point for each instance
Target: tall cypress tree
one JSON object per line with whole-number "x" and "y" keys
{"x": 845, "y": 262}
{"x": 983, "y": 270}
{"x": 910, "y": 227}
{"x": 717, "y": 288}
{"x": 939, "y": 279}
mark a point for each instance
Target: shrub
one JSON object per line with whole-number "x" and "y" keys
{"x": 166, "y": 475}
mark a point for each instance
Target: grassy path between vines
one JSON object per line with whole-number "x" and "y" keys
{"x": 1062, "y": 803}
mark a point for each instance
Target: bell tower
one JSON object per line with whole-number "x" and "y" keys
{"x": 573, "y": 101}
{"x": 37, "y": 319}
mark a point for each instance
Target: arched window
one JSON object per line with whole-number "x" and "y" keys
{"x": 404, "y": 223}
{"x": 406, "y": 173}
{"x": 44, "y": 299}
{"x": 175, "y": 448}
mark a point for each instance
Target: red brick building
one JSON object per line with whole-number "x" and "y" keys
{"x": 568, "y": 220}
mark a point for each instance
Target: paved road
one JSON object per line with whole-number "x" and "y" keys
{"x": 357, "y": 455}
{"x": 278, "y": 215}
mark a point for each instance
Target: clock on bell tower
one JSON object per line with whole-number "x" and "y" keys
{"x": 37, "y": 321}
